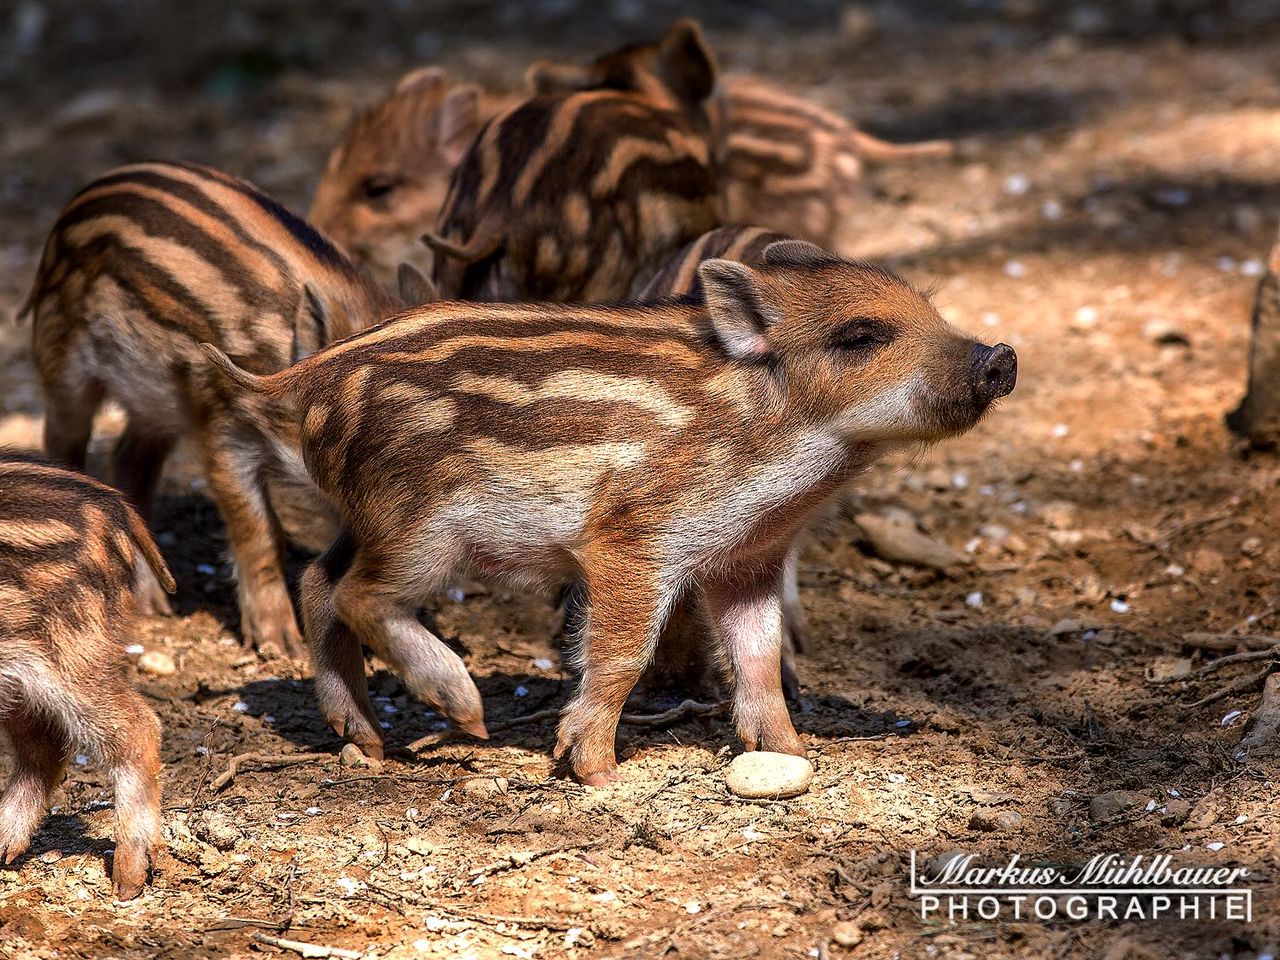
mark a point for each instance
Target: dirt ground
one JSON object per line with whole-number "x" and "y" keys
{"x": 1115, "y": 191}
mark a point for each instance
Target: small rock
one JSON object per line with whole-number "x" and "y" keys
{"x": 1169, "y": 668}
{"x": 1165, "y": 334}
{"x": 846, "y": 933}
{"x": 995, "y": 820}
{"x": 1251, "y": 546}
{"x": 762, "y": 774}
{"x": 218, "y": 830}
{"x": 897, "y": 539}
{"x": 1175, "y": 812}
{"x": 1115, "y": 802}
{"x": 353, "y": 756}
{"x": 1064, "y": 627}
{"x": 1059, "y": 514}
{"x": 157, "y": 664}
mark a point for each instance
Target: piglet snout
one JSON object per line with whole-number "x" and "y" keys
{"x": 995, "y": 371}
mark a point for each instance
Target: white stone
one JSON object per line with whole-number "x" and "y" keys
{"x": 157, "y": 663}
{"x": 762, "y": 774}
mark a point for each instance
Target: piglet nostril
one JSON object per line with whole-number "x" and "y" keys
{"x": 996, "y": 371}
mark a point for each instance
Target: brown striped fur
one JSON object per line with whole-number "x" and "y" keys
{"x": 785, "y": 162}
{"x": 142, "y": 266}
{"x": 577, "y": 195}
{"x": 647, "y": 450}
{"x": 71, "y": 550}
{"x": 796, "y": 166}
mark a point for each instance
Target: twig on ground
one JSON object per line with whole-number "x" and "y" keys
{"x": 1222, "y": 642}
{"x": 307, "y": 949}
{"x": 525, "y": 857}
{"x": 1240, "y": 686}
{"x": 267, "y": 759}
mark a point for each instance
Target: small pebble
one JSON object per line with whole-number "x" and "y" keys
{"x": 1061, "y": 430}
{"x": 1016, "y": 185}
{"x": 974, "y": 600}
{"x": 1051, "y": 210}
{"x": 1115, "y": 802}
{"x": 1241, "y": 819}
{"x": 846, "y": 933}
{"x": 995, "y": 820}
{"x": 542, "y": 663}
{"x": 693, "y": 907}
{"x": 1231, "y": 718}
{"x": 1252, "y": 268}
{"x": 522, "y": 691}
{"x": 135, "y": 649}
{"x": 206, "y": 569}
{"x": 1015, "y": 269}
{"x": 240, "y": 707}
{"x": 762, "y": 774}
{"x": 157, "y": 664}
{"x": 1119, "y": 606}
{"x": 1215, "y": 846}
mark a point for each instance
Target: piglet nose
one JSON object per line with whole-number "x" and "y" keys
{"x": 995, "y": 371}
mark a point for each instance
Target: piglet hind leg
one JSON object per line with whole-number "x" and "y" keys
{"x": 129, "y": 743}
{"x": 140, "y": 458}
{"x": 336, "y": 657}
{"x": 39, "y": 757}
{"x": 381, "y": 613}
{"x": 624, "y": 623}
{"x": 746, "y": 606}
{"x": 236, "y": 482}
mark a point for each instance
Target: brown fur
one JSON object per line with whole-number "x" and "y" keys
{"x": 71, "y": 550}
{"x": 645, "y": 450}
{"x": 142, "y": 266}
{"x": 795, "y": 166}
{"x": 577, "y": 195}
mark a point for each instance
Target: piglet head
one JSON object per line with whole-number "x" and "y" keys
{"x": 852, "y": 347}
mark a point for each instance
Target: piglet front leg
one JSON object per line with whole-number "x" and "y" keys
{"x": 745, "y": 605}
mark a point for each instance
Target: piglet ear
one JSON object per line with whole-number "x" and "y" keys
{"x": 459, "y": 122}
{"x": 414, "y": 286}
{"x": 739, "y": 314}
{"x": 798, "y": 253}
{"x": 547, "y": 76}
{"x": 686, "y": 63}
{"x": 421, "y": 80}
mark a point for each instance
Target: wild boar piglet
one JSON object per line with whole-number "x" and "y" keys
{"x": 143, "y": 265}
{"x": 70, "y": 554}
{"x": 648, "y": 450}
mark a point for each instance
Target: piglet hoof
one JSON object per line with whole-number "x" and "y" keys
{"x": 600, "y": 778}
{"x": 281, "y": 637}
{"x": 129, "y": 873}
{"x": 358, "y": 732}
{"x": 154, "y": 602}
{"x": 778, "y": 737}
{"x": 475, "y": 727}
{"x": 12, "y": 852}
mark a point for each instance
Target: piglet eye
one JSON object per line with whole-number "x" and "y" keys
{"x": 863, "y": 336}
{"x": 376, "y": 187}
